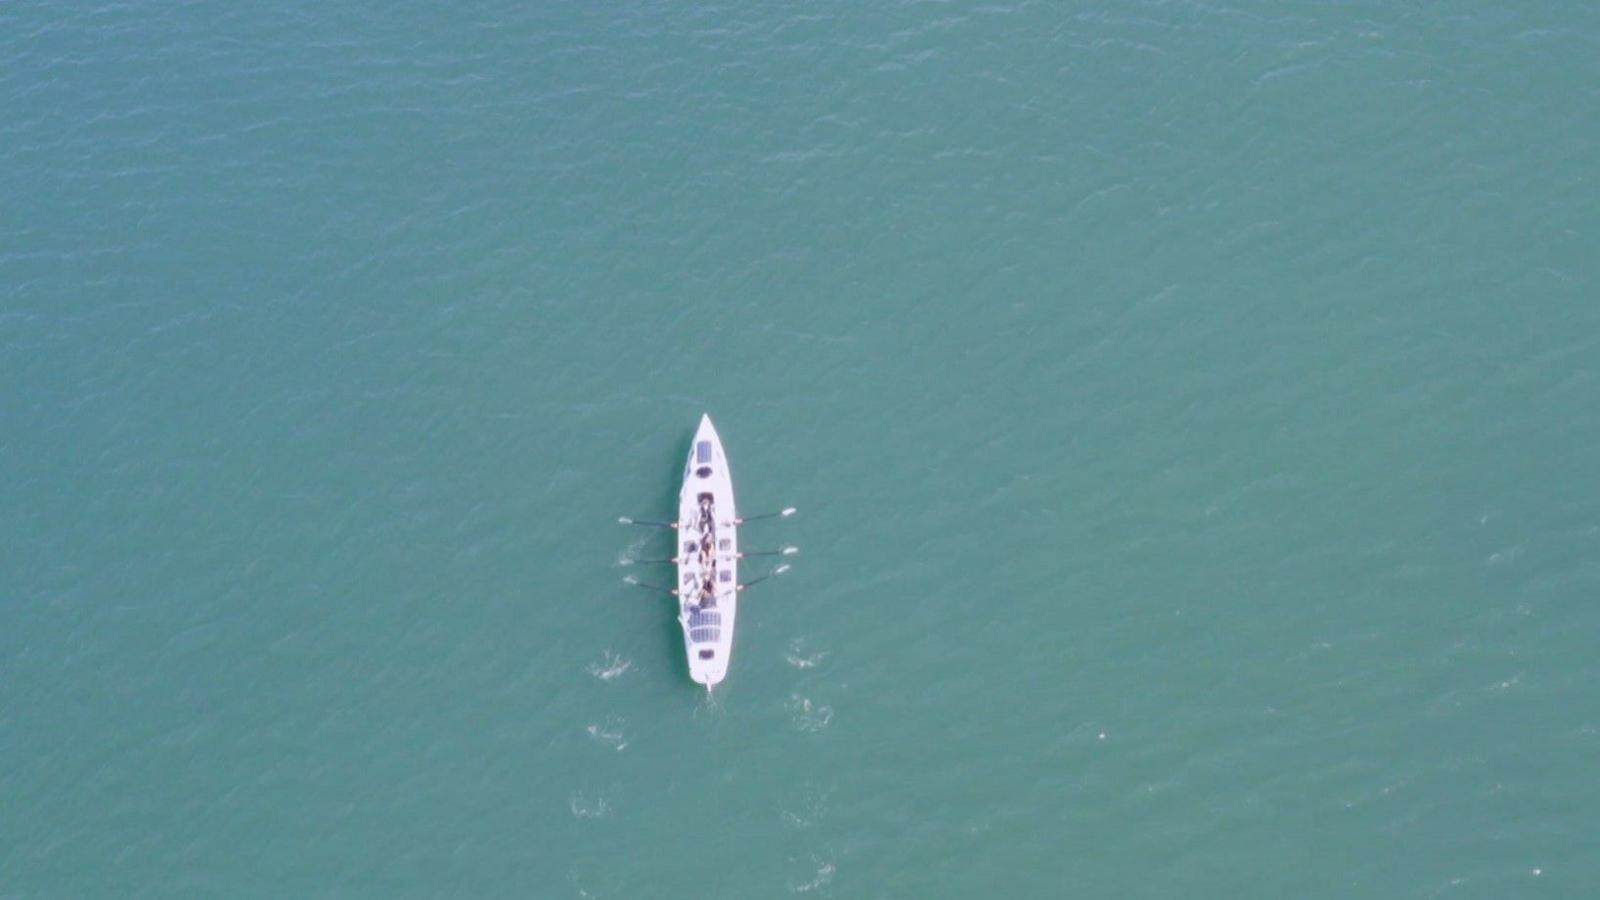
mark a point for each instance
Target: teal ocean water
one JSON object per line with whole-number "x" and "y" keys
{"x": 1192, "y": 409}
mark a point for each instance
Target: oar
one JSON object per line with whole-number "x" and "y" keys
{"x": 782, "y": 513}
{"x": 627, "y": 521}
{"x": 775, "y": 572}
{"x": 654, "y": 587}
{"x": 786, "y": 551}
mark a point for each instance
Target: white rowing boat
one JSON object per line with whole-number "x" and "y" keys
{"x": 707, "y": 556}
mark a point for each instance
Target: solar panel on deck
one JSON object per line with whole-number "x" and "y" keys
{"x": 698, "y": 619}
{"x": 702, "y": 452}
{"x": 705, "y": 635}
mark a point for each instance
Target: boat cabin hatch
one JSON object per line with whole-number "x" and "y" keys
{"x": 708, "y": 654}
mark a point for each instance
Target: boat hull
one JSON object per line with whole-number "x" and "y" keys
{"x": 708, "y": 558}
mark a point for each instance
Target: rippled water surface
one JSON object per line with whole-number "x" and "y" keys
{"x": 1192, "y": 410}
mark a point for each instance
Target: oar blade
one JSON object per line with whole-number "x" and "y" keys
{"x": 625, "y": 520}
{"x": 654, "y": 587}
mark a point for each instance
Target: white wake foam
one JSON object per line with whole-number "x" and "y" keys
{"x": 609, "y": 732}
{"x": 800, "y": 659}
{"x": 612, "y": 666}
{"x": 823, "y": 876}
{"x": 584, "y": 806}
{"x": 808, "y": 716}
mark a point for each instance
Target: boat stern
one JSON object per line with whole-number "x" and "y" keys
{"x": 708, "y": 672}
